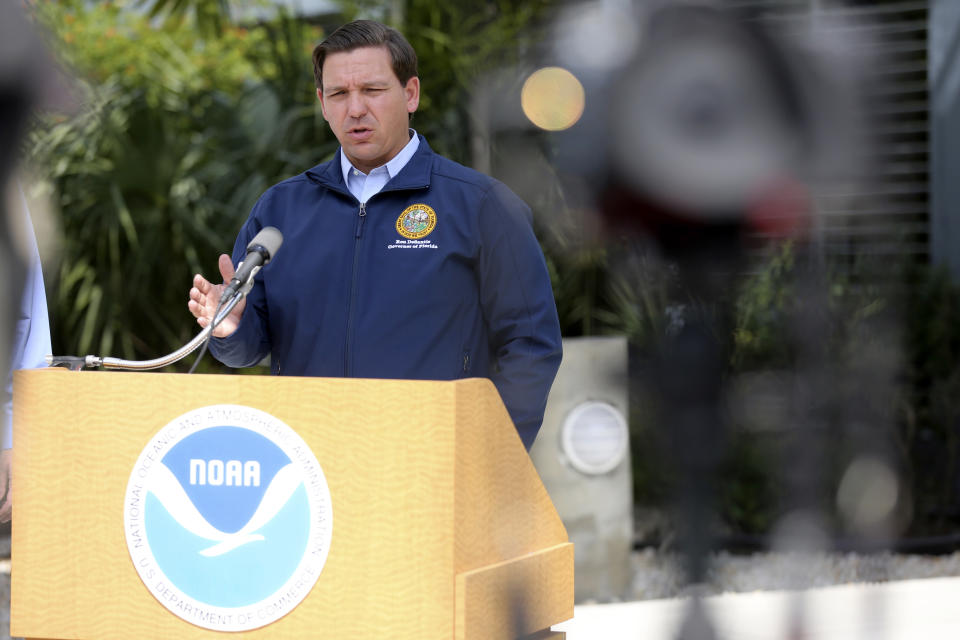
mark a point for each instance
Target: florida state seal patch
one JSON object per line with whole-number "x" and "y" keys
{"x": 416, "y": 221}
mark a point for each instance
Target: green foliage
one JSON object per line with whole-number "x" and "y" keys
{"x": 210, "y": 16}
{"x": 771, "y": 308}
{"x": 584, "y": 292}
{"x": 178, "y": 137}
{"x": 763, "y": 311}
{"x": 931, "y": 410}
{"x": 892, "y": 354}
{"x": 107, "y": 41}
{"x": 748, "y": 490}
{"x": 933, "y": 325}
{"x": 124, "y": 176}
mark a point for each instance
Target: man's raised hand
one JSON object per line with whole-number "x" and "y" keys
{"x": 204, "y": 297}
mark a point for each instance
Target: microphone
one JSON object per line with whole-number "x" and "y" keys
{"x": 260, "y": 250}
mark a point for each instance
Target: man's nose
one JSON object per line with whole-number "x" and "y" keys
{"x": 356, "y": 105}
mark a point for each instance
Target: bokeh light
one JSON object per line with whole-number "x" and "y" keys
{"x": 552, "y": 98}
{"x": 868, "y": 494}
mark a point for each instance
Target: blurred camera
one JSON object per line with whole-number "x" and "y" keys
{"x": 697, "y": 118}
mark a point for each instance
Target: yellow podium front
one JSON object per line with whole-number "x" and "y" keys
{"x": 440, "y": 525}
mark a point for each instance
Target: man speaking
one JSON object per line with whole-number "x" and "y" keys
{"x": 397, "y": 262}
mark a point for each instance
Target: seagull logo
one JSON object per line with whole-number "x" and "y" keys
{"x": 228, "y": 517}
{"x": 168, "y": 490}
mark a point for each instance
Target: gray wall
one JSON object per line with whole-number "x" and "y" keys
{"x": 597, "y": 510}
{"x": 944, "y": 74}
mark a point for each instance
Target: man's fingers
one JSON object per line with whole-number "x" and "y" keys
{"x": 201, "y": 284}
{"x": 226, "y": 267}
{"x": 204, "y": 297}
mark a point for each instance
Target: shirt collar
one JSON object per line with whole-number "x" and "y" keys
{"x": 393, "y": 166}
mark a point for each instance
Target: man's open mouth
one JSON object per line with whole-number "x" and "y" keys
{"x": 359, "y": 132}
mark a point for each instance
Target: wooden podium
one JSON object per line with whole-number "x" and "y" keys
{"x": 441, "y": 526}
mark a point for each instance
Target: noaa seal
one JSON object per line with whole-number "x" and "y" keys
{"x": 228, "y": 518}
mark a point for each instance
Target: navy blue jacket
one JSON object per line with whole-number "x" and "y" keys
{"x": 354, "y": 292}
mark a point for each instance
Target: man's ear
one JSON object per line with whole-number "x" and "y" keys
{"x": 412, "y": 91}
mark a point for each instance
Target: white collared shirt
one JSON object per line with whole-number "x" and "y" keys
{"x": 364, "y": 185}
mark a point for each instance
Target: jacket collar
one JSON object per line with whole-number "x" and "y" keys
{"x": 415, "y": 175}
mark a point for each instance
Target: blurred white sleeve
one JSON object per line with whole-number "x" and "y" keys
{"x": 32, "y": 338}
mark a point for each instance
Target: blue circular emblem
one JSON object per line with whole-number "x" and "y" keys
{"x": 228, "y": 518}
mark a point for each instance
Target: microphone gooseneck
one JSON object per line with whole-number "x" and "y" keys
{"x": 260, "y": 251}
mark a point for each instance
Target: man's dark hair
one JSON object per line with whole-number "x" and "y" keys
{"x": 367, "y": 33}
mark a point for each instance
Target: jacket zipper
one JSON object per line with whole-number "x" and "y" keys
{"x": 361, "y": 216}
